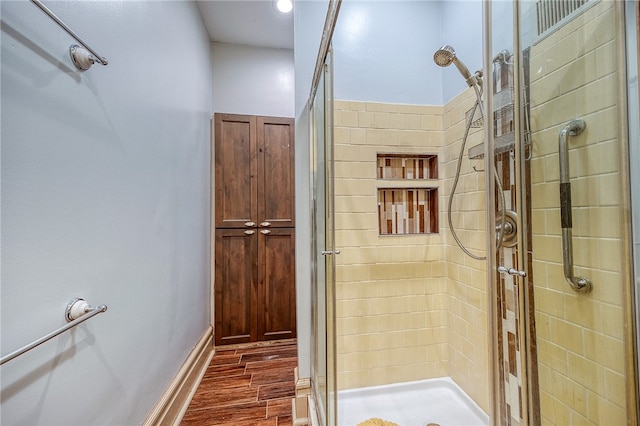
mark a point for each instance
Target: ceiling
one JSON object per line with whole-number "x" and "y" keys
{"x": 249, "y": 22}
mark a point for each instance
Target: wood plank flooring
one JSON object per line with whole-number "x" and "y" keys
{"x": 246, "y": 387}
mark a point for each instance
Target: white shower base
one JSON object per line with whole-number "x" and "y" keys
{"x": 418, "y": 403}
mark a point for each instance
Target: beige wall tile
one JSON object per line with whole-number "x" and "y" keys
{"x": 580, "y": 346}
{"x": 392, "y": 291}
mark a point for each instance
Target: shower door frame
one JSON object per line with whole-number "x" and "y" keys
{"x": 631, "y": 308}
{"x": 632, "y": 21}
{"x": 324, "y": 71}
{"x": 490, "y": 217}
{"x": 318, "y": 208}
{"x": 323, "y": 250}
{"x": 530, "y": 396}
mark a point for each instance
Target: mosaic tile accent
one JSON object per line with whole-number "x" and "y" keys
{"x": 509, "y": 294}
{"x": 407, "y": 211}
{"x": 510, "y": 291}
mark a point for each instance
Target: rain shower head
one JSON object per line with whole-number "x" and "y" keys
{"x": 446, "y": 56}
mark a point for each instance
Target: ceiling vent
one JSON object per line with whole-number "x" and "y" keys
{"x": 553, "y": 13}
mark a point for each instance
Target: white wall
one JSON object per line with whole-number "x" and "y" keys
{"x": 252, "y": 80}
{"x": 502, "y": 26}
{"x": 105, "y": 195}
{"x": 384, "y": 49}
{"x": 308, "y": 24}
{"x": 461, "y": 23}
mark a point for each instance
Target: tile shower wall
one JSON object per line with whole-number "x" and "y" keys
{"x": 509, "y": 293}
{"x": 392, "y": 304}
{"x": 466, "y": 277}
{"x": 414, "y": 306}
{"x": 509, "y": 289}
{"x": 580, "y": 337}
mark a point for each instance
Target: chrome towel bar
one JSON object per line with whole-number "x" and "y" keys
{"x": 77, "y": 312}
{"x": 80, "y": 61}
{"x": 574, "y": 128}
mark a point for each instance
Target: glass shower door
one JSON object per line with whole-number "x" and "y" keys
{"x": 323, "y": 268}
{"x": 318, "y": 212}
{"x": 572, "y": 159}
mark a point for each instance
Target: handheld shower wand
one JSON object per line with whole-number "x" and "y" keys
{"x": 446, "y": 56}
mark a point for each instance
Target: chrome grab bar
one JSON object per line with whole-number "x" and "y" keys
{"x": 579, "y": 284}
{"x": 101, "y": 59}
{"x": 77, "y": 311}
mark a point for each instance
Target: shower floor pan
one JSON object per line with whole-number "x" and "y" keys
{"x": 440, "y": 401}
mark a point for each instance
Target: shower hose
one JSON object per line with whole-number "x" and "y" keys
{"x": 500, "y": 234}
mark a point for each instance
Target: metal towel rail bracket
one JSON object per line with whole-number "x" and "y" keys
{"x": 77, "y": 311}
{"x": 579, "y": 284}
{"x": 80, "y": 57}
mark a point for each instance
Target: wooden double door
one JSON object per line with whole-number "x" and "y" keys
{"x": 255, "y": 229}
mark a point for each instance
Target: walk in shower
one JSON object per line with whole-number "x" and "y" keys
{"x": 534, "y": 320}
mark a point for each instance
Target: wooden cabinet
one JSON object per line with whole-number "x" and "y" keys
{"x": 236, "y": 280}
{"x": 255, "y": 234}
{"x": 254, "y": 171}
{"x": 276, "y": 292}
{"x": 236, "y": 170}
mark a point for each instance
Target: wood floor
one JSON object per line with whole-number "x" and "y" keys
{"x": 246, "y": 387}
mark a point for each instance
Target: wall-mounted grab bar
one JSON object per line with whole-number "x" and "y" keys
{"x": 77, "y": 311}
{"x": 574, "y": 128}
{"x": 82, "y": 62}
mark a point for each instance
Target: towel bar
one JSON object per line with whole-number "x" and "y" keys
{"x": 77, "y": 311}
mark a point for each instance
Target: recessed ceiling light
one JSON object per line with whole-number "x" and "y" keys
{"x": 284, "y": 6}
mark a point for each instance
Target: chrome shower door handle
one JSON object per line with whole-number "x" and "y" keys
{"x": 511, "y": 271}
{"x": 574, "y": 128}
{"x": 330, "y": 252}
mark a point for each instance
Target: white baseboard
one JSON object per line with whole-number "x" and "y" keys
{"x": 174, "y": 402}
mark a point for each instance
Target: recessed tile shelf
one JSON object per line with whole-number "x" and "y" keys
{"x": 407, "y": 166}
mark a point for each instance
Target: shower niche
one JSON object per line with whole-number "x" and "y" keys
{"x": 407, "y": 166}
{"x": 404, "y": 207}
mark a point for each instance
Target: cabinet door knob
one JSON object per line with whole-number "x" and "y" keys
{"x": 250, "y": 232}
{"x": 265, "y": 231}
{"x": 249, "y": 224}
{"x": 265, "y": 224}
